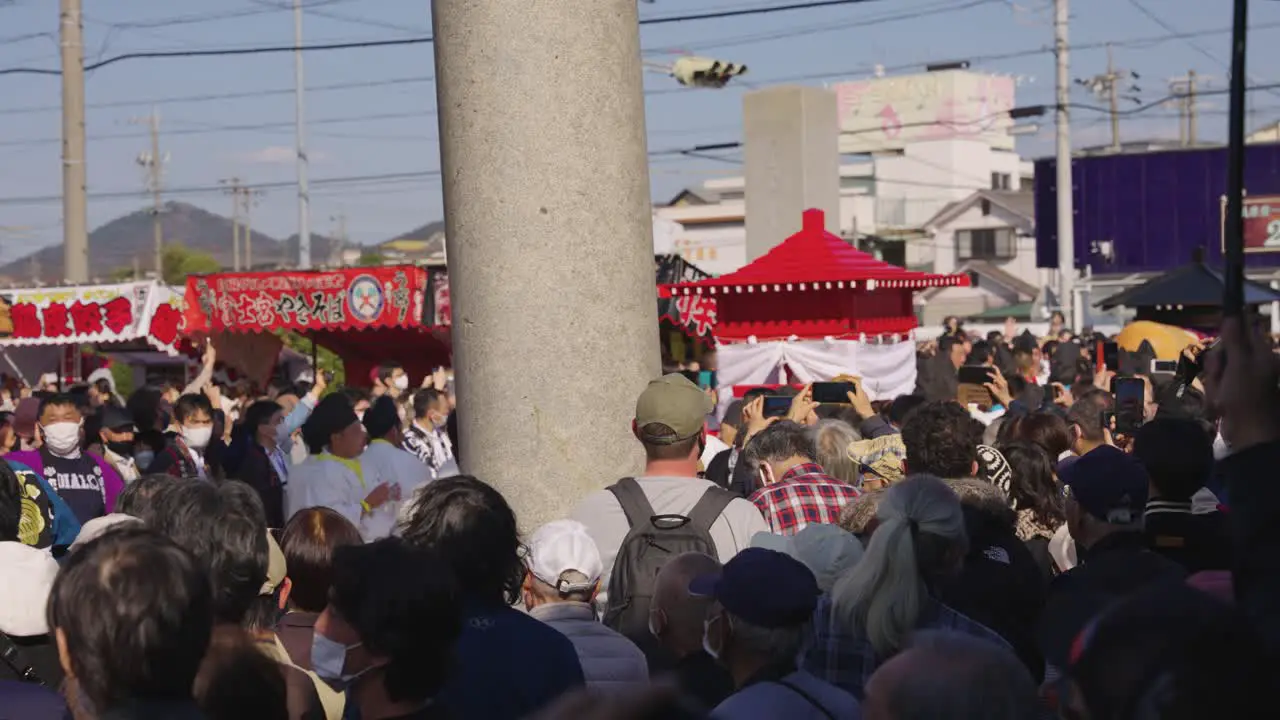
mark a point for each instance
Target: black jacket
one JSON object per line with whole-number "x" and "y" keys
{"x": 1001, "y": 585}
{"x": 1113, "y": 568}
{"x": 257, "y": 472}
{"x": 717, "y": 471}
{"x": 1253, "y": 519}
{"x": 1196, "y": 542}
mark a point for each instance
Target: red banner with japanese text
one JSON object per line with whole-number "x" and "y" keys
{"x": 1261, "y": 223}
{"x": 92, "y": 314}
{"x": 341, "y": 299}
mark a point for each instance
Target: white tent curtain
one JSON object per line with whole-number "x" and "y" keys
{"x": 887, "y": 370}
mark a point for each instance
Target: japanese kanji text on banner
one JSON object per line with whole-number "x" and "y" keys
{"x": 92, "y": 314}
{"x": 345, "y": 299}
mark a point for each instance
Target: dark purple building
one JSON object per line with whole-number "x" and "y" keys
{"x": 1154, "y": 208}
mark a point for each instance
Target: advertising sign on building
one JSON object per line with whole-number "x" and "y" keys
{"x": 1261, "y": 223}
{"x": 891, "y": 112}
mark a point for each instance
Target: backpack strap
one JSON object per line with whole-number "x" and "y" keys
{"x": 633, "y": 501}
{"x": 709, "y": 507}
{"x": 812, "y": 700}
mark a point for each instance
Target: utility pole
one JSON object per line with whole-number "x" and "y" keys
{"x": 304, "y": 229}
{"x": 1066, "y": 209}
{"x": 234, "y": 189}
{"x": 339, "y": 238}
{"x": 1114, "y": 100}
{"x": 75, "y": 221}
{"x": 248, "y": 198}
{"x": 1192, "y": 129}
{"x": 153, "y": 164}
{"x": 1183, "y": 89}
{"x": 1107, "y": 85}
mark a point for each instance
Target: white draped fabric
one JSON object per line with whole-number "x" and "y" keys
{"x": 887, "y": 370}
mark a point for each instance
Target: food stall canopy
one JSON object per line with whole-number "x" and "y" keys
{"x": 365, "y": 315}
{"x": 811, "y": 285}
{"x": 93, "y": 314}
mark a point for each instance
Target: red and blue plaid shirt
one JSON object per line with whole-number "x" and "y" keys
{"x": 805, "y": 495}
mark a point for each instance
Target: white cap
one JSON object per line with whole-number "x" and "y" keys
{"x": 827, "y": 550}
{"x": 29, "y": 577}
{"x": 565, "y": 546}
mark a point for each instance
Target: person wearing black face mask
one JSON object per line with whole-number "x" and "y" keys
{"x": 117, "y": 441}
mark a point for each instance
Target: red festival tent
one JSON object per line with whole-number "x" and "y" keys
{"x": 813, "y": 306}
{"x": 366, "y": 315}
{"x": 811, "y": 285}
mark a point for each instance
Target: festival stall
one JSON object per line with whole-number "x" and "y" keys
{"x": 44, "y": 329}
{"x": 810, "y": 309}
{"x": 684, "y": 335}
{"x": 365, "y": 315}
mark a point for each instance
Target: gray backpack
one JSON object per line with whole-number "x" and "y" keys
{"x": 649, "y": 544}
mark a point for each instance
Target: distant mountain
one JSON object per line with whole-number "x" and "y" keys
{"x": 117, "y": 244}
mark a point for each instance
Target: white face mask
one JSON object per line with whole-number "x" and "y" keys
{"x": 197, "y": 438}
{"x": 62, "y": 438}
{"x": 329, "y": 659}
{"x": 143, "y": 459}
{"x": 400, "y": 382}
{"x": 706, "y": 642}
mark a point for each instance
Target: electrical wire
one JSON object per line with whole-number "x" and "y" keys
{"x": 421, "y": 40}
{"x": 950, "y": 6}
{"x": 289, "y": 91}
{"x": 1155, "y": 18}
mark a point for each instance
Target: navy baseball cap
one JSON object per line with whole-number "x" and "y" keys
{"x": 766, "y": 588}
{"x": 1108, "y": 483}
{"x": 117, "y": 419}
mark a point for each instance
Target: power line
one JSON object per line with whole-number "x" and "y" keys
{"x": 743, "y": 12}
{"x": 857, "y": 23}
{"x": 250, "y": 127}
{"x": 992, "y": 57}
{"x": 421, "y": 40}
{"x": 1155, "y": 18}
{"x": 1010, "y": 55}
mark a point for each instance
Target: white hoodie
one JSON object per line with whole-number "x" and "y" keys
{"x": 29, "y": 574}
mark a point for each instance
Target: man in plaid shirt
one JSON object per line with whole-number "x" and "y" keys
{"x": 794, "y": 490}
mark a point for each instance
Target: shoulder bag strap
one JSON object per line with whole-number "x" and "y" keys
{"x": 633, "y": 501}
{"x": 812, "y": 700}
{"x": 12, "y": 656}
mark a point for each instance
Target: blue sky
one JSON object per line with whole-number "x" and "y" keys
{"x": 387, "y": 94}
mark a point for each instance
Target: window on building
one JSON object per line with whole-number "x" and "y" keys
{"x": 985, "y": 244}
{"x": 1001, "y": 181}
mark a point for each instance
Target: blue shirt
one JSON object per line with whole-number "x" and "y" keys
{"x": 26, "y": 701}
{"x": 835, "y": 654}
{"x": 508, "y": 665}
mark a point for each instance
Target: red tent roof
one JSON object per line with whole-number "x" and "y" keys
{"x": 815, "y": 256}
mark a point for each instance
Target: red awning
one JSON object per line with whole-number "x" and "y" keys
{"x": 814, "y": 259}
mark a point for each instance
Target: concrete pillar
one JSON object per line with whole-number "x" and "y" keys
{"x": 791, "y": 135}
{"x": 547, "y": 209}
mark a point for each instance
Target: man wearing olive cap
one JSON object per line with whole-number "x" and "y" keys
{"x": 670, "y": 424}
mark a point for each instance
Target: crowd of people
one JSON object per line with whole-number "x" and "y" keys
{"x": 312, "y": 552}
